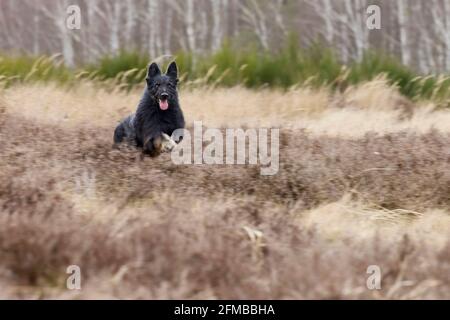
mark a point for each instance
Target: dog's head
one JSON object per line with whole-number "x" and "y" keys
{"x": 163, "y": 87}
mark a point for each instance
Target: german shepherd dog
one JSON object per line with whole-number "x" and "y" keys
{"x": 157, "y": 116}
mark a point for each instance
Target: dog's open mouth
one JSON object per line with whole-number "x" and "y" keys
{"x": 163, "y": 104}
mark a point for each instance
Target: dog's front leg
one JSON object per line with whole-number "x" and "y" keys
{"x": 152, "y": 146}
{"x": 167, "y": 144}
{"x": 161, "y": 143}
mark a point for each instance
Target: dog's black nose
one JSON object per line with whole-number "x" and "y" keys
{"x": 164, "y": 96}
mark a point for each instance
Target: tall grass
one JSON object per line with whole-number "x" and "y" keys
{"x": 435, "y": 87}
{"x": 293, "y": 65}
{"x": 29, "y": 68}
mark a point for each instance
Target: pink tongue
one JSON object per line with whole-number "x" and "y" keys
{"x": 163, "y": 105}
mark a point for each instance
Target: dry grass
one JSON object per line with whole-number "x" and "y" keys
{"x": 358, "y": 185}
{"x": 373, "y": 106}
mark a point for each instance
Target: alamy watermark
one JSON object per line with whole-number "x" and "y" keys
{"x": 73, "y": 18}
{"x": 373, "y": 20}
{"x": 374, "y": 280}
{"x": 229, "y": 146}
{"x": 73, "y": 281}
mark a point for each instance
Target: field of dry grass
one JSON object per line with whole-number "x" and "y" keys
{"x": 364, "y": 180}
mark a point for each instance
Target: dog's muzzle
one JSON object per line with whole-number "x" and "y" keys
{"x": 163, "y": 103}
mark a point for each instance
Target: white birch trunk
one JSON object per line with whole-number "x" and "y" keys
{"x": 115, "y": 27}
{"x": 190, "y": 28}
{"x": 217, "y": 25}
{"x": 402, "y": 16}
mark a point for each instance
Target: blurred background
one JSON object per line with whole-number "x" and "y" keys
{"x": 415, "y": 32}
{"x": 364, "y": 173}
{"x": 256, "y": 43}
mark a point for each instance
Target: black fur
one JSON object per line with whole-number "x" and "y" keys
{"x": 145, "y": 127}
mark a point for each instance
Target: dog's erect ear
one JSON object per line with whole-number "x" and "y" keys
{"x": 172, "y": 70}
{"x": 153, "y": 71}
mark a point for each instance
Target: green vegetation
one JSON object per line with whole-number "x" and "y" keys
{"x": 293, "y": 65}
{"x": 26, "y": 68}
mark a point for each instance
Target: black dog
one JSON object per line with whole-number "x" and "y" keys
{"x": 157, "y": 116}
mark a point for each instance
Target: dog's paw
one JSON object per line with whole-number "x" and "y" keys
{"x": 167, "y": 144}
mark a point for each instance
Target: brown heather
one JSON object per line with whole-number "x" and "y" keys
{"x": 353, "y": 190}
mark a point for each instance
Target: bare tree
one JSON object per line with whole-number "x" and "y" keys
{"x": 417, "y": 32}
{"x": 217, "y": 31}
{"x": 153, "y": 21}
{"x": 131, "y": 17}
{"x": 355, "y": 10}
{"x": 325, "y": 10}
{"x": 256, "y": 17}
{"x": 57, "y": 15}
{"x": 113, "y": 19}
{"x": 168, "y": 30}
{"x": 190, "y": 27}
{"x": 402, "y": 15}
